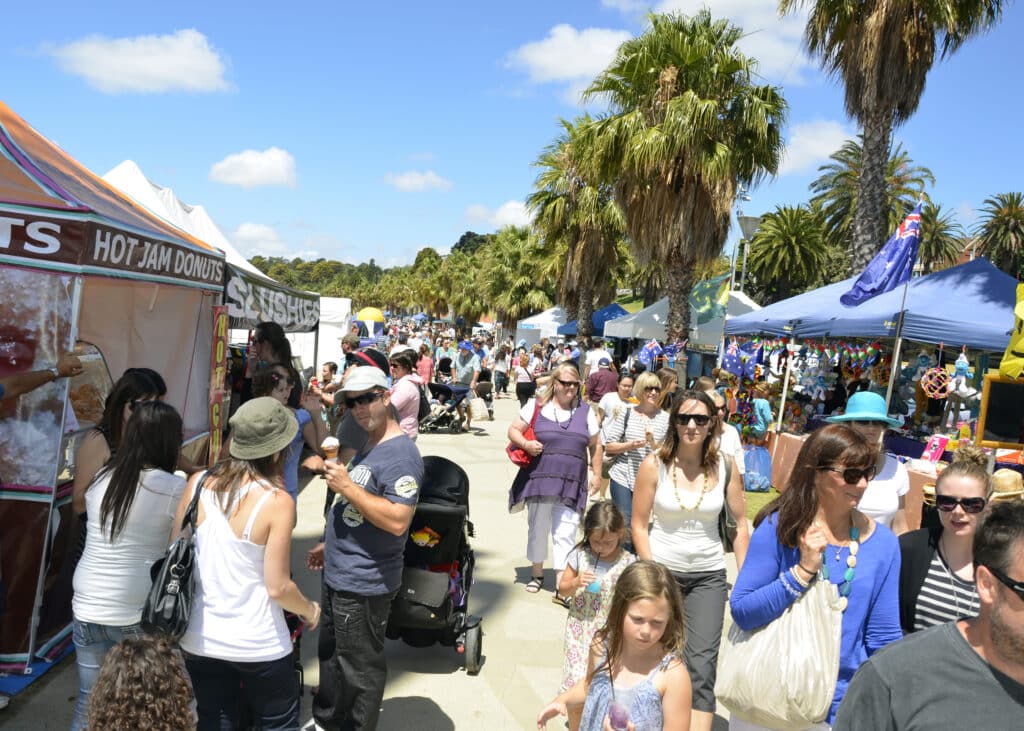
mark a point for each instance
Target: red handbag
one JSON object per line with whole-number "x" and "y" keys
{"x": 519, "y": 456}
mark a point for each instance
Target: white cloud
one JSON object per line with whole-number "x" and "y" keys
{"x": 258, "y": 238}
{"x": 180, "y": 61}
{"x": 416, "y": 181}
{"x": 509, "y": 213}
{"x": 775, "y": 42}
{"x": 568, "y": 56}
{"x": 251, "y": 168}
{"x": 811, "y": 143}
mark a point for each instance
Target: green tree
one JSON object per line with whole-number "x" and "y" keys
{"x": 470, "y": 241}
{"x": 836, "y": 192}
{"x": 687, "y": 126}
{"x": 882, "y": 51}
{"x": 1000, "y": 232}
{"x": 942, "y": 239}
{"x": 511, "y": 275}
{"x": 787, "y": 253}
{"x": 578, "y": 215}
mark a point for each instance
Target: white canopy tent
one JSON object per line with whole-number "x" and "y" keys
{"x": 652, "y": 322}
{"x": 542, "y": 325}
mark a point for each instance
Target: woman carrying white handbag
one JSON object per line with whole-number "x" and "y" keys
{"x": 812, "y": 534}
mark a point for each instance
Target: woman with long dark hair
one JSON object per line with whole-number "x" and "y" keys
{"x": 679, "y": 493}
{"x": 237, "y": 643}
{"x": 130, "y": 506}
{"x": 814, "y": 532}
{"x": 102, "y": 441}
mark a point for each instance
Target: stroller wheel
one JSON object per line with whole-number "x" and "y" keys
{"x": 474, "y": 646}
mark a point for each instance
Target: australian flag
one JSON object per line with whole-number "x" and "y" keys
{"x": 650, "y": 352}
{"x": 892, "y": 266}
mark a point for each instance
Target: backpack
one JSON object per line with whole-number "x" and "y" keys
{"x": 424, "y": 409}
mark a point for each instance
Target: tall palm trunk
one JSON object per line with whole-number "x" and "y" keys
{"x": 680, "y": 275}
{"x": 585, "y": 307}
{"x": 870, "y": 220}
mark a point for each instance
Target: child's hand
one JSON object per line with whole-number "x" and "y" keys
{"x": 551, "y": 710}
{"x": 584, "y": 579}
{"x": 608, "y": 725}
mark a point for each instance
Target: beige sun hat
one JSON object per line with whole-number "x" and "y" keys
{"x": 1007, "y": 484}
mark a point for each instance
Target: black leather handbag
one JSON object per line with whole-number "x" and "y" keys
{"x": 169, "y": 603}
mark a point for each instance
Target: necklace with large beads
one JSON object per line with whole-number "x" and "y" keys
{"x": 675, "y": 486}
{"x": 851, "y": 566}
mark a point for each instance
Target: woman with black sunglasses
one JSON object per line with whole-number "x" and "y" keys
{"x": 937, "y": 569}
{"x": 679, "y": 492}
{"x": 814, "y": 532}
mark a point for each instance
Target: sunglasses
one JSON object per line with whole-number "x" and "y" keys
{"x": 365, "y": 400}
{"x": 698, "y": 419}
{"x": 948, "y": 503}
{"x": 1017, "y": 587}
{"x": 654, "y": 389}
{"x": 569, "y": 384}
{"x": 853, "y": 475}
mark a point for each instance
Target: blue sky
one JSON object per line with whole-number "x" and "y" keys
{"x": 374, "y": 130}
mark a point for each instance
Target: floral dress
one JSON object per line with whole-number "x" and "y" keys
{"x": 588, "y": 611}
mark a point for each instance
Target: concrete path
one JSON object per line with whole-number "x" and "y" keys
{"x": 427, "y": 689}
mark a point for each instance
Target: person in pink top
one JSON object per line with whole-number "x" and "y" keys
{"x": 405, "y": 391}
{"x": 424, "y": 364}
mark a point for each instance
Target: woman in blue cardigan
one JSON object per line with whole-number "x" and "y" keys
{"x": 809, "y": 533}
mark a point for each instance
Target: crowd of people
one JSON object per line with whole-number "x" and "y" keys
{"x": 642, "y": 575}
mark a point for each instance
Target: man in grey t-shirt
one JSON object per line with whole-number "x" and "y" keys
{"x": 962, "y": 675}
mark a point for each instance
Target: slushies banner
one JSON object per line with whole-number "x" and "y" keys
{"x": 252, "y": 299}
{"x": 74, "y": 242}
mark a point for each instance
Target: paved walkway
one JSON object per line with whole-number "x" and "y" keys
{"x": 427, "y": 688}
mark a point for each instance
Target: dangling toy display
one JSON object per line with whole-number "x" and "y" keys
{"x": 961, "y": 391}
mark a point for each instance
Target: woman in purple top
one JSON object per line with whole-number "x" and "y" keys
{"x": 814, "y": 532}
{"x": 555, "y": 485}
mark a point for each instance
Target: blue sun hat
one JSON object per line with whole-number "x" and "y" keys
{"x": 864, "y": 406}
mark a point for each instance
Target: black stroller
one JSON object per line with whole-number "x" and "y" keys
{"x": 444, "y": 408}
{"x": 433, "y": 604}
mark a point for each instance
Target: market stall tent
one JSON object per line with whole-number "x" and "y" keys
{"x": 542, "y": 325}
{"x": 251, "y": 296}
{"x": 652, "y": 322}
{"x": 599, "y": 319}
{"x": 81, "y": 266}
{"x": 970, "y": 304}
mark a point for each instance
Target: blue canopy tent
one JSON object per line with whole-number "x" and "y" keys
{"x": 599, "y": 318}
{"x": 970, "y": 304}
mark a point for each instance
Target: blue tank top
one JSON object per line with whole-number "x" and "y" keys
{"x": 291, "y": 462}
{"x": 643, "y": 700}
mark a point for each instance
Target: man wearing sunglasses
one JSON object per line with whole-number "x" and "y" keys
{"x": 364, "y": 545}
{"x": 959, "y": 675}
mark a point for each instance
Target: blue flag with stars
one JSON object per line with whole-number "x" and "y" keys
{"x": 892, "y": 266}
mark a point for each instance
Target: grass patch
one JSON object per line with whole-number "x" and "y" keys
{"x": 629, "y": 304}
{"x": 757, "y": 500}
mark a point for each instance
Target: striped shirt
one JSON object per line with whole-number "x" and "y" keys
{"x": 944, "y": 597}
{"x": 619, "y": 429}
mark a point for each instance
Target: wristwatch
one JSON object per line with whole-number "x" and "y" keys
{"x": 56, "y": 373}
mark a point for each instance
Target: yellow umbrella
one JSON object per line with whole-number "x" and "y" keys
{"x": 370, "y": 314}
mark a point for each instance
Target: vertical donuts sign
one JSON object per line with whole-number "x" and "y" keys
{"x": 218, "y": 376}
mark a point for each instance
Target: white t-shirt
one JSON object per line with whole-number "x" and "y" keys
{"x": 112, "y": 579}
{"x": 552, "y": 412}
{"x": 881, "y": 499}
{"x": 731, "y": 446}
{"x": 594, "y": 357}
{"x": 686, "y": 540}
{"x": 611, "y": 405}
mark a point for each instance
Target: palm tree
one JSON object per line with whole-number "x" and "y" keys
{"x": 942, "y": 239}
{"x": 788, "y": 252}
{"x": 882, "y": 51}
{"x": 577, "y": 212}
{"x": 511, "y": 275}
{"x": 1000, "y": 232}
{"x": 837, "y": 191}
{"x": 687, "y": 125}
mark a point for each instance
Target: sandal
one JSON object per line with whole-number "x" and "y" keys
{"x": 535, "y": 584}
{"x": 559, "y": 599}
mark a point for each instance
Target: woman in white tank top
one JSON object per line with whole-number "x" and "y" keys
{"x": 678, "y": 496}
{"x": 237, "y": 641}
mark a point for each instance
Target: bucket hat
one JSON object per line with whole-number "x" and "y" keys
{"x": 864, "y": 406}
{"x": 1007, "y": 484}
{"x": 261, "y": 427}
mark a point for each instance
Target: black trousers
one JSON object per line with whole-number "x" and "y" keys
{"x": 353, "y": 669}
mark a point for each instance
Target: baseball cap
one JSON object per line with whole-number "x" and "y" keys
{"x": 603, "y": 363}
{"x": 261, "y": 427}
{"x": 465, "y": 345}
{"x": 364, "y": 379}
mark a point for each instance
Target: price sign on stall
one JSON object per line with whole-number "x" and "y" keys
{"x": 218, "y": 374}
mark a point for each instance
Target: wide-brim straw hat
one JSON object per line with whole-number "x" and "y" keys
{"x": 1007, "y": 484}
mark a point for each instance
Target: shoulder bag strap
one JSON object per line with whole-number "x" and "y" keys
{"x": 727, "y": 468}
{"x": 191, "y": 514}
{"x": 536, "y": 411}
